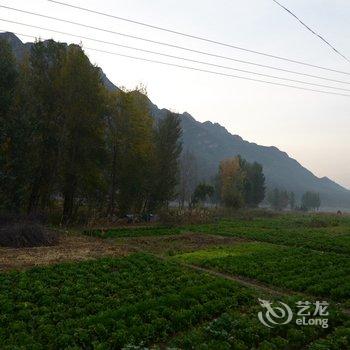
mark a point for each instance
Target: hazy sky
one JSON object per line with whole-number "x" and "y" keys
{"x": 312, "y": 128}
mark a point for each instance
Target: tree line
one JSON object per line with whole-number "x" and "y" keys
{"x": 67, "y": 142}
{"x": 65, "y": 138}
{"x": 281, "y": 199}
{"x": 238, "y": 184}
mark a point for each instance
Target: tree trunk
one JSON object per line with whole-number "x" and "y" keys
{"x": 111, "y": 205}
{"x": 68, "y": 204}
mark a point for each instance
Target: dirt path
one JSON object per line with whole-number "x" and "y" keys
{"x": 256, "y": 284}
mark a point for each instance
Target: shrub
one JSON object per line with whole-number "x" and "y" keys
{"x": 26, "y": 235}
{"x": 175, "y": 217}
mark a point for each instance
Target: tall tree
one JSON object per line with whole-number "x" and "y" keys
{"x": 278, "y": 199}
{"x": 8, "y": 128}
{"x": 310, "y": 200}
{"x": 188, "y": 176}
{"x": 201, "y": 193}
{"x": 8, "y": 79}
{"x": 231, "y": 183}
{"x": 292, "y": 200}
{"x": 168, "y": 148}
{"x": 83, "y": 110}
{"x": 46, "y": 61}
{"x": 253, "y": 183}
{"x": 130, "y": 149}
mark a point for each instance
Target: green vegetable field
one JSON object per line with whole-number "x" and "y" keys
{"x": 208, "y": 296}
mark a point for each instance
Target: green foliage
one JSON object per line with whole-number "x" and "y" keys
{"x": 8, "y": 78}
{"x": 168, "y": 148}
{"x": 138, "y": 302}
{"x": 310, "y": 200}
{"x": 291, "y": 230}
{"x": 110, "y": 303}
{"x": 82, "y": 136}
{"x": 188, "y": 177}
{"x": 67, "y": 141}
{"x": 130, "y": 149}
{"x": 278, "y": 199}
{"x": 338, "y": 339}
{"x": 201, "y": 193}
{"x": 241, "y": 184}
{"x": 10, "y": 194}
{"x": 253, "y": 183}
{"x": 299, "y": 269}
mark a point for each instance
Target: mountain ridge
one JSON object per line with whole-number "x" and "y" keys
{"x": 211, "y": 142}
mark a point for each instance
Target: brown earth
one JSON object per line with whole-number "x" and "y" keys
{"x": 70, "y": 248}
{"x": 177, "y": 243}
{"x": 79, "y": 247}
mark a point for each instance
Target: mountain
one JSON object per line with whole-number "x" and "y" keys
{"x": 211, "y": 142}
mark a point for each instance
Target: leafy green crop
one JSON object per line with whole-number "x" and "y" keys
{"x": 108, "y": 303}
{"x": 299, "y": 269}
{"x": 333, "y": 235}
{"x": 136, "y": 302}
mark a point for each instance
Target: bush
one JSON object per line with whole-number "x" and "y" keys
{"x": 20, "y": 235}
{"x": 317, "y": 223}
{"x": 179, "y": 217}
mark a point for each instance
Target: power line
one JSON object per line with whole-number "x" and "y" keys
{"x": 212, "y": 72}
{"x": 179, "y": 57}
{"x": 197, "y": 37}
{"x": 311, "y": 30}
{"x": 175, "y": 46}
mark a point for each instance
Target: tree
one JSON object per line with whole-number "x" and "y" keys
{"x": 241, "y": 183}
{"x": 9, "y": 129}
{"x": 253, "y": 184}
{"x": 8, "y": 78}
{"x": 201, "y": 193}
{"x": 292, "y": 200}
{"x": 310, "y": 200}
{"x": 168, "y": 148}
{"x": 188, "y": 176}
{"x": 278, "y": 199}
{"x": 131, "y": 152}
{"x": 82, "y": 102}
{"x": 231, "y": 183}
{"x": 45, "y": 64}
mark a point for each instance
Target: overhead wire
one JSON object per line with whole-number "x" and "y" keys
{"x": 178, "y": 47}
{"x": 216, "y": 73}
{"x": 196, "y": 37}
{"x": 311, "y": 30}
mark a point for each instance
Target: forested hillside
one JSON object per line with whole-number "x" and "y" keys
{"x": 210, "y": 143}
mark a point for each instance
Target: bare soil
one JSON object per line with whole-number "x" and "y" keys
{"x": 79, "y": 248}
{"x": 177, "y": 243}
{"x": 69, "y": 248}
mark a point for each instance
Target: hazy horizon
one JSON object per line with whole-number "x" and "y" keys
{"x": 312, "y": 128}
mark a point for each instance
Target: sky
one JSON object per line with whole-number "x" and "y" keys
{"x": 311, "y": 127}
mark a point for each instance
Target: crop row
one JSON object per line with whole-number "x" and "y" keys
{"x": 299, "y": 269}
{"x": 133, "y": 301}
{"x": 133, "y": 232}
{"x": 318, "y": 232}
{"x": 295, "y": 231}
{"x": 241, "y": 331}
